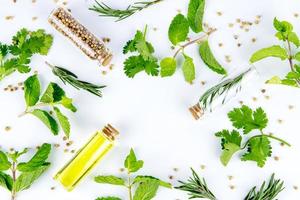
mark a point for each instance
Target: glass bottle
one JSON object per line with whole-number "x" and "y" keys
{"x": 63, "y": 21}
{"x": 87, "y": 157}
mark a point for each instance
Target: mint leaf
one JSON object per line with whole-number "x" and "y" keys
{"x": 63, "y": 121}
{"x": 259, "y": 149}
{"x": 195, "y": 14}
{"x": 273, "y": 51}
{"x": 54, "y": 93}
{"x": 32, "y": 90}
{"x": 67, "y": 103}
{"x": 47, "y": 119}
{"x": 244, "y": 118}
{"x": 142, "y": 179}
{"x": 108, "y": 198}
{"x": 6, "y": 181}
{"x": 146, "y": 190}
{"x": 209, "y": 59}
{"x": 179, "y": 29}
{"x": 297, "y": 56}
{"x": 38, "y": 160}
{"x": 131, "y": 163}
{"x": 282, "y": 26}
{"x": 292, "y": 37}
{"x": 4, "y": 163}
{"x": 188, "y": 69}
{"x": 168, "y": 67}
{"x": 113, "y": 180}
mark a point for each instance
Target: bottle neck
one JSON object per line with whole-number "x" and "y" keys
{"x": 110, "y": 132}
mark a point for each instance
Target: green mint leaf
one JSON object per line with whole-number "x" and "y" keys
{"x": 54, "y": 93}
{"x": 16, "y": 154}
{"x": 32, "y": 90}
{"x": 26, "y": 179}
{"x": 188, "y": 69}
{"x": 244, "y": 118}
{"x": 273, "y": 51}
{"x": 68, "y": 103}
{"x": 230, "y": 142}
{"x": 47, "y": 119}
{"x": 297, "y": 56}
{"x": 4, "y": 163}
{"x": 6, "y": 181}
{"x": 259, "y": 149}
{"x": 292, "y": 37}
{"x": 108, "y": 198}
{"x": 293, "y": 75}
{"x": 195, "y": 15}
{"x": 129, "y": 47}
{"x": 282, "y": 26}
{"x": 142, "y": 179}
{"x": 168, "y": 67}
{"x": 146, "y": 190}
{"x": 113, "y": 180}
{"x": 131, "y": 163}
{"x": 134, "y": 65}
{"x": 179, "y": 29}
{"x": 63, "y": 121}
{"x": 144, "y": 47}
{"x": 38, "y": 160}
{"x": 209, "y": 59}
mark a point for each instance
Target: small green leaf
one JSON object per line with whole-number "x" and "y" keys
{"x": 113, "y": 180}
{"x": 67, "y": 103}
{"x": 47, "y": 119}
{"x": 168, "y": 67}
{"x": 228, "y": 152}
{"x": 4, "y": 163}
{"x": 144, "y": 47}
{"x": 32, "y": 90}
{"x": 179, "y": 29}
{"x": 282, "y": 26}
{"x": 6, "y": 181}
{"x": 209, "y": 59}
{"x": 131, "y": 163}
{"x": 273, "y": 51}
{"x": 297, "y": 56}
{"x": 108, "y": 198}
{"x": 54, "y": 93}
{"x": 274, "y": 80}
{"x": 146, "y": 190}
{"x": 195, "y": 15}
{"x": 142, "y": 179}
{"x": 292, "y": 37}
{"x": 63, "y": 121}
{"x": 188, "y": 69}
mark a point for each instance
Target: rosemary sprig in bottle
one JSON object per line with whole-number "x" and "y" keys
{"x": 106, "y": 11}
{"x": 196, "y": 187}
{"x": 68, "y": 77}
{"x": 269, "y": 192}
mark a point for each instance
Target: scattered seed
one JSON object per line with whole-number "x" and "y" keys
{"x": 238, "y": 20}
{"x": 10, "y": 17}
{"x": 239, "y": 44}
{"x": 155, "y": 29}
{"x": 34, "y": 18}
{"x": 230, "y": 25}
{"x": 219, "y": 13}
{"x": 295, "y": 187}
{"x": 65, "y": 138}
{"x": 172, "y": 47}
{"x": 121, "y": 169}
{"x": 175, "y": 169}
{"x": 230, "y": 177}
{"x": 73, "y": 151}
{"x": 111, "y": 66}
{"x": 33, "y": 1}
{"x": 241, "y": 102}
{"x": 291, "y": 107}
{"x": 52, "y": 188}
{"x": 267, "y": 97}
{"x": 171, "y": 177}
{"x": 104, "y": 72}
{"x": 7, "y": 128}
{"x": 66, "y": 150}
{"x": 56, "y": 145}
{"x": 276, "y": 158}
{"x": 254, "y": 98}
{"x": 263, "y": 90}
{"x": 296, "y": 15}
{"x": 280, "y": 121}
{"x": 253, "y": 40}
{"x": 203, "y": 82}
{"x": 220, "y": 44}
{"x": 235, "y": 37}
{"x": 232, "y": 187}
{"x": 202, "y": 167}
{"x": 65, "y": 3}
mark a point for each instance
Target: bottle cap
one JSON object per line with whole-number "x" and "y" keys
{"x": 110, "y": 131}
{"x": 196, "y": 111}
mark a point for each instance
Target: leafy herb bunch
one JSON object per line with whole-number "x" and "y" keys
{"x": 23, "y": 174}
{"x": 178, "y": 33}
{"x": 53, "y": 97}
{"x": 258, "y": 146}
{"x": 146, "y": 186}
{"x": 16, "y": 56}
{"x": 285, "y": 34}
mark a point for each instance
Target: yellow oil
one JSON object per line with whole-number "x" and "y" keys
{"x": 84, "y": 161}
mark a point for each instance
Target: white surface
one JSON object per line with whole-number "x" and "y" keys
{"x": 151, "y": 113}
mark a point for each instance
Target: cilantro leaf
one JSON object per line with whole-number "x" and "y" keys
{"x": 244, "y": 118}
{"x": 129, "y": 47}
{"x": 143, "y": 47}
{"x": 152, "y": 68}
{"x": 146, "y": 190}
{"x": 179, "y": 29}
{"x": 273, "y": 51}
{"x": 113, "y": 180}
{"x": 131, "y": 163}
{"x": 195, "y": 14}
{"x": 32, "y": 90}
{"x": 134, "y": 65}
{"x": 259, "y": 149}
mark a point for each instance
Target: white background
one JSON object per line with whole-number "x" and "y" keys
{"x": 150, "y": 112}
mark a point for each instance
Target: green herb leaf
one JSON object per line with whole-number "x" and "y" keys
{"x": 47, "y": 119}
{"x": 136, "y": 64}
{"x": 146, "y": 190}
{"x": 143, "y": 47}
{"x": 16, "y": 154}
{"x": 282, "y": 26}
{"x": 168, "y": 67}
{"x": 113, "y": 180}
{"x": 108, "y": 198}
{"x": 63, "y": 121}
{"x": 38, "y": 160}
{"x": 54, "y": 93}
{"x": 273, "y": 51}
{"x": 231, "y": 143}
{"x": 195, "y": 14}
{"x": 244, "y": 118}
{"x": 4, "y": 163}
{"x": 67, "y": 103}
{"x": 131, "y": 163}
{"x": 259, "y": 149}
{"x": 188, "y": 69}
{"x": 32, "y": 90}
{"x": 142, "y": 179}
{"x": 179, "y": 29}
{"x": 292, "y": 37}
{"x": 297, "y": 56}
{"x": 6, "y": 181}
{"x": 209, "y": 59}
{"x": 129, "y": 47}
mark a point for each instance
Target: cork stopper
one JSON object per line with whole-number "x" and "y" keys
{"x": 110, "y": 131}
{"x": 196, "y": 111}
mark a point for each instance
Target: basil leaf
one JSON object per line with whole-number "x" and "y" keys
{"x": 47, "y": 119}
{"x": 179, "y": 29}
{"x": 32, "y": 90}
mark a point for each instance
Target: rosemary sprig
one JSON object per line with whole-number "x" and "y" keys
{"x": 196, "y": 187}
{"x": 274, "y": 187}
{"x": 68, "y": 77}
{"x": 107, "y": 11}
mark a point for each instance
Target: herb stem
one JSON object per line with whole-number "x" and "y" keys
{"x": 129, "y": 187}
{"x": 14, "y": 177}
{"x": 197, "y": 40}
{"x": 291, "y": 59}
{"x": 30, "y": 109}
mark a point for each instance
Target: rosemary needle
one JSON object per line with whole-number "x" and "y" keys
{"x": 68, "y": 77}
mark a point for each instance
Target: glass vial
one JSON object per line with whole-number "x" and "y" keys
{"x": 87, "y": 157}
{"x": 223, "y": 92}
{"x": 65, "y": 23}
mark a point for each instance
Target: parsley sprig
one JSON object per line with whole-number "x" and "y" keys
{"x": 286, "y": 34}
{"x": 16, "y": 56}
{"x": 258, "y": 146}
{"x": 28, "y": 171}
{"x": 146, "y": 186}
